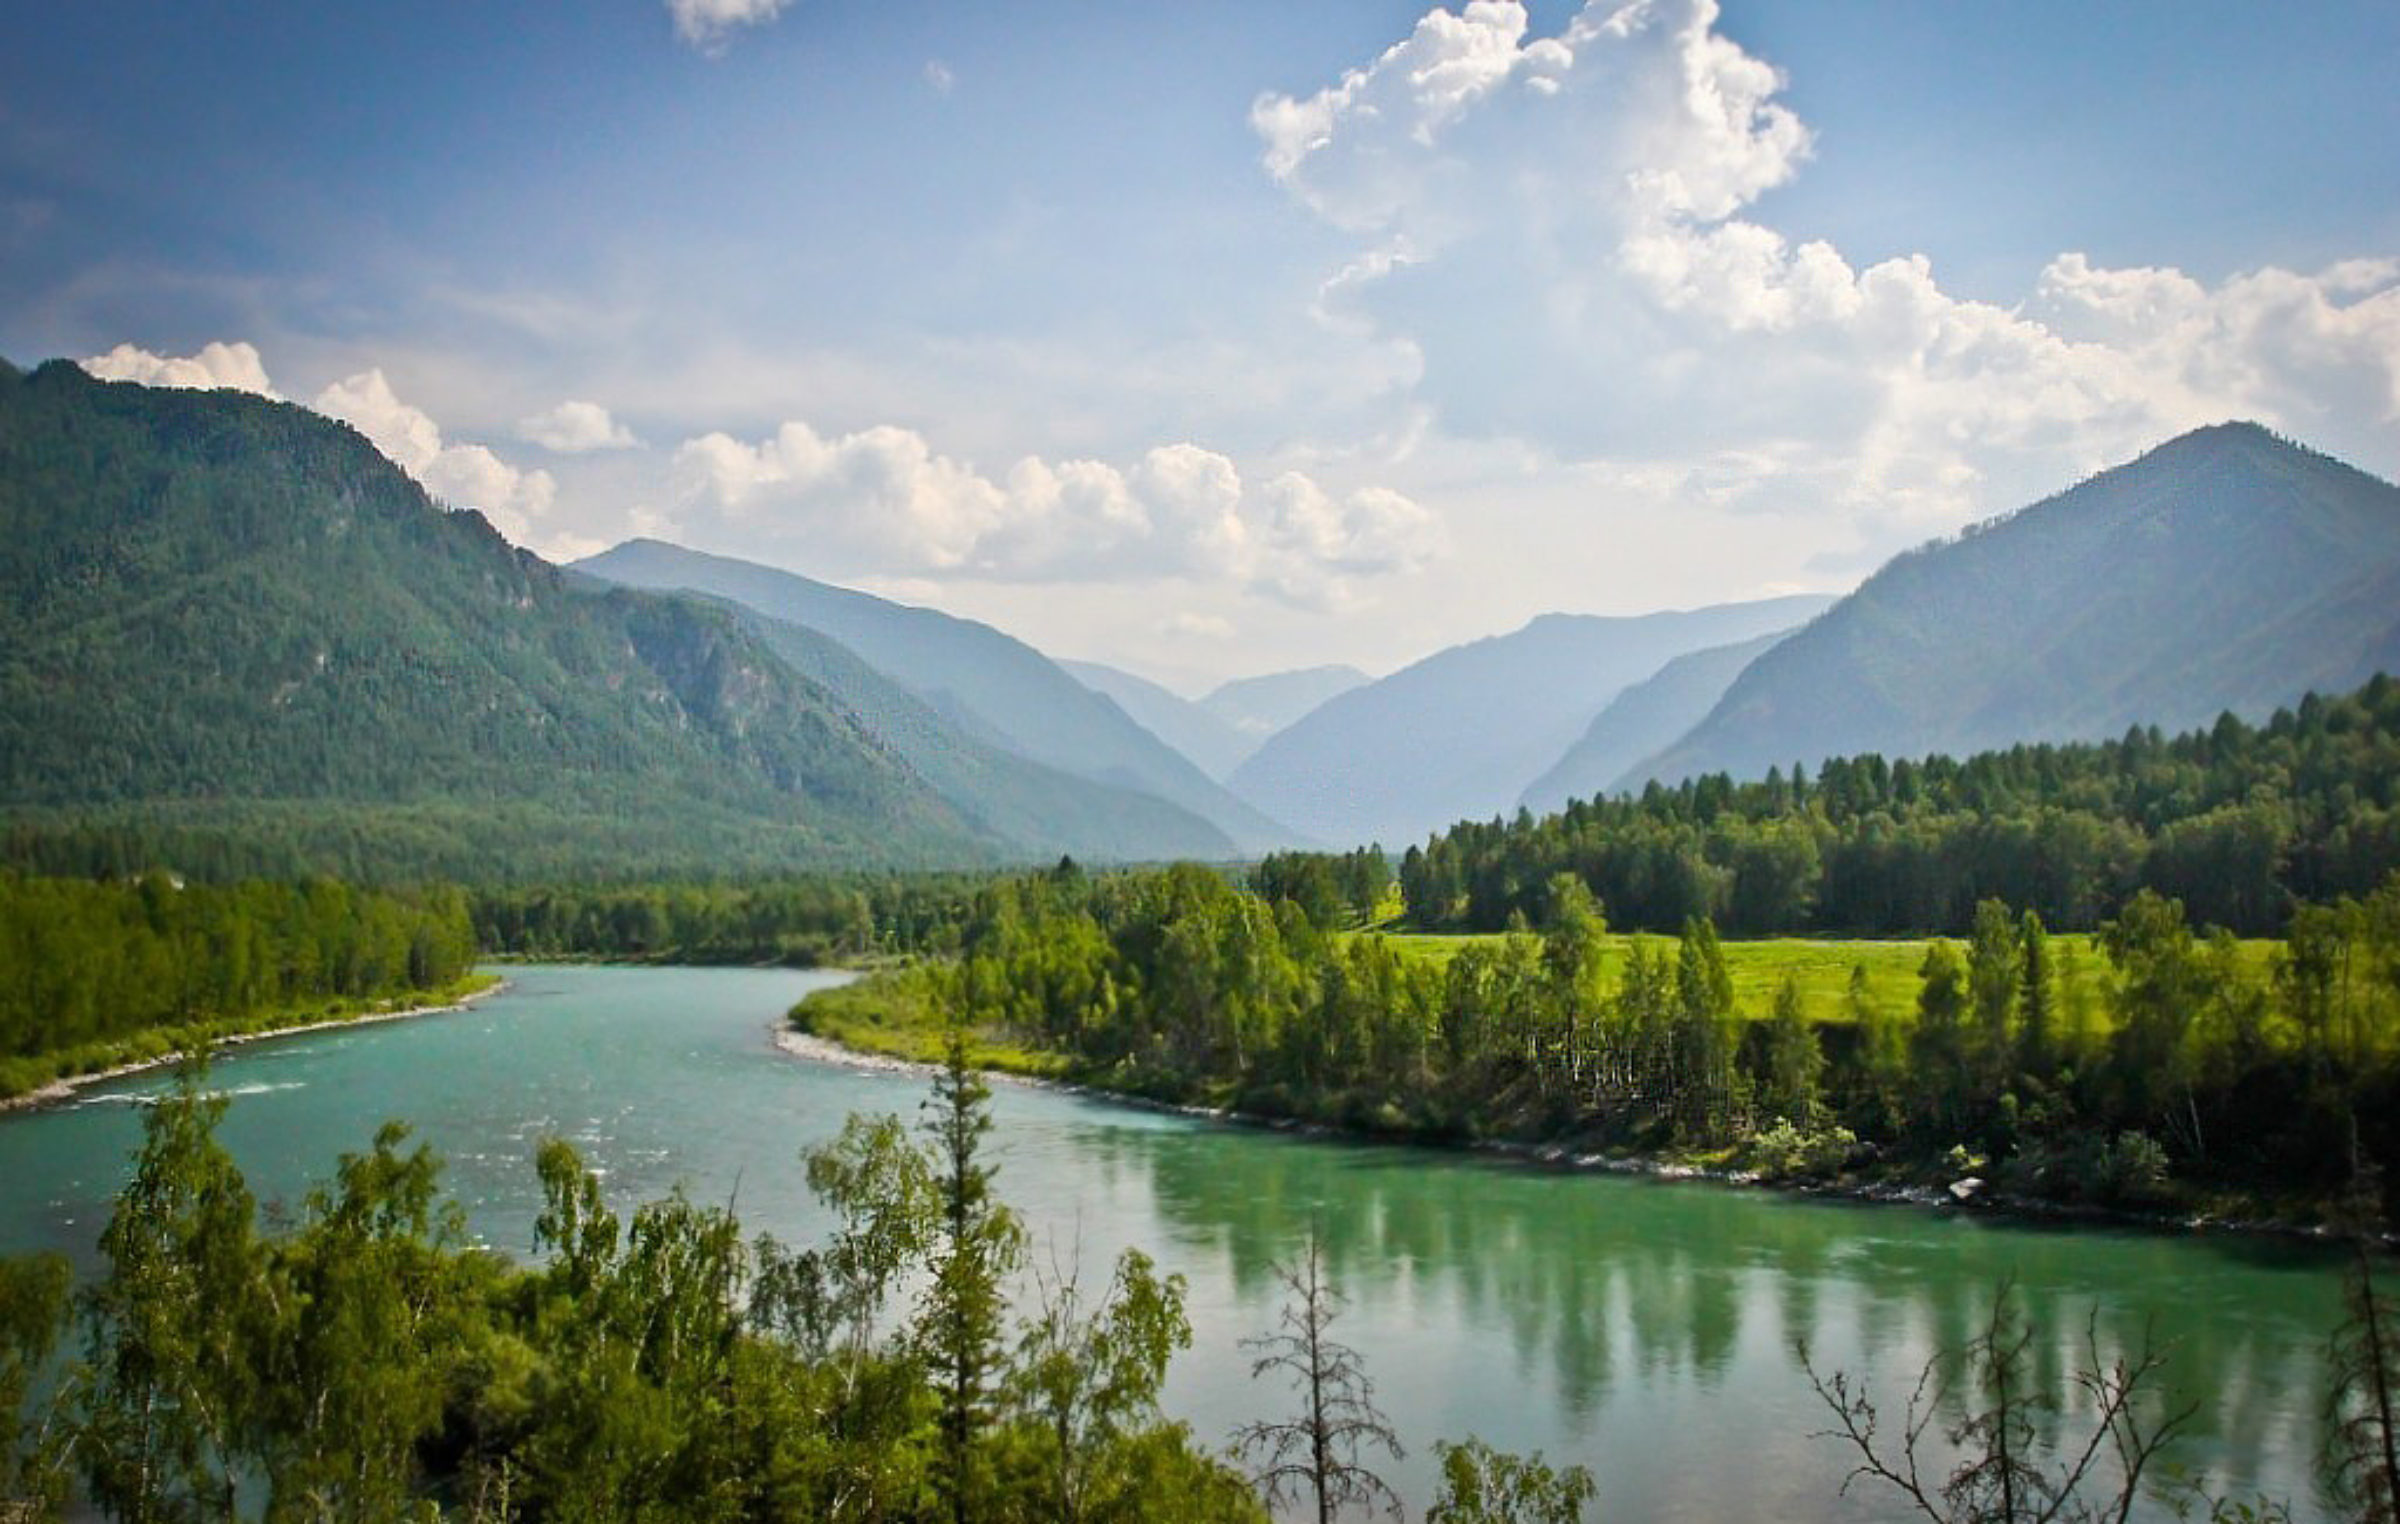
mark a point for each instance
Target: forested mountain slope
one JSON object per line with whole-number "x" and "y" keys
{"x": 1459, "y": 734}
{"x": 1037, "y": 810}
{"x": 218, "y": 611}
{"x": 2225, "y": 570}
{"x": 992, "y": 684}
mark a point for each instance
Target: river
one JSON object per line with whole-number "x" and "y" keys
{"x": 1643, "y": 1328}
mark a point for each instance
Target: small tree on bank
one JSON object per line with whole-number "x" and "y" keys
{"x": 1316, "y": 1454}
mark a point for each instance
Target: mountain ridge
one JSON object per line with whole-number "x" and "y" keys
{"x": 1459, "y": 733}
{"x": 2227, "y": 569}
{"x": 211, "y": 598}
{"x": 988, "y": 681}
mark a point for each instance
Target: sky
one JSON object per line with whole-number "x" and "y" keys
{"x": 1215, "y": 340}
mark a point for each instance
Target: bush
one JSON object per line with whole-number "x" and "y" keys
{"x": 1786, "y": 1152}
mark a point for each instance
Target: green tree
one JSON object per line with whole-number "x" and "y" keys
{"x": 172, "y": 1398}
{"x": 977, "y": 1244}
{"x": 1086, "y": 1384}
{"x": 1481, "y": 1485}
{"x": 35, "y": 1300}
{"x": 1792, "y": 1086}
{"x": 366, "y": 1301}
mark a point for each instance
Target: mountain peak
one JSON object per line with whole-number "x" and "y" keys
{"x": 2226, "y": 569}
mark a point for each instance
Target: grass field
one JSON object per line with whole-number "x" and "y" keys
{"x": 1821, "y": 966}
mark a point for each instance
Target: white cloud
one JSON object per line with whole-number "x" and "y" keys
{"x": 216, "y": 365}
{"x": 576, "y": 428}
{"x": 881, "y": 502}
{"x": 940, "y": 76}
{"x": 707, "y": 24}
{"x": 464, "y": 475}
{"x": 1561, "y": 230}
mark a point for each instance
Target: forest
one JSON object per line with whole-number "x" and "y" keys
{"x": 2239, "y": 822}
{"x": 95, "y": 973}
{"x": 2174, "y": 1064}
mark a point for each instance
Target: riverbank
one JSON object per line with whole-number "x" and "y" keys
{"x": 111, "y": 1061}
{"x": 890, "y": 1028}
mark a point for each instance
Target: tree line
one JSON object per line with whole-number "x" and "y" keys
{"x": 797, "y": 920}
{"x": 2100, "y": 1070}
{"x": 2240, "y": 822}
{"x": 85, "y": 964}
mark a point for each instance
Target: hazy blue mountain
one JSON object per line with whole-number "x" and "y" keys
{"x": 1260, "y": 706}
{"x": 1213, "y": 745}
{"x": 1652, "y": 714}
{"x": 992, "y": 684}
{"x": 1034, "y": 809}
{"x": 213, "y": 606}
{"x": 1457, "y": 735}
{"x": 2225, "y": 570}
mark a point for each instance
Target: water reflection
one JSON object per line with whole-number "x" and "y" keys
{"x": 1605, "y": 1293}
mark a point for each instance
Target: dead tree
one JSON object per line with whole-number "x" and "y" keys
{"x": 2363, "y": 1462}
{"x": 2005, "y": 1471}
{"x": 1316, "y": 1453}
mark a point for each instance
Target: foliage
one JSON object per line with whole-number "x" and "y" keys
{"x": 231, "y": 631}
{"x": 2240, "y": 822}
{"x": 85, "y": 964}
{"x": 362, "y": 1362}
{"x": 2118, "y": 1070}
{"x": 1481, "y": 1485}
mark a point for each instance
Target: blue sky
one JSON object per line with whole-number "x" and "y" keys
{"x": 1213, "y": 340}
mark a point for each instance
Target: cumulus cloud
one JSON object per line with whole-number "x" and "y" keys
{"x": 464, "y": 475}
{"x": 576, "y": 428}
{"x": 708, "y": 24}
{"x": 882, "y": 501}
{"x": 216, "y": 365}
{"x": 1561, "y": 230}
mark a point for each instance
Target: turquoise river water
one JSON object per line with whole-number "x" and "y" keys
{"x": 1643, "y": 1328}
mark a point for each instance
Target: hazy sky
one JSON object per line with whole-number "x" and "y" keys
{"x": 1222, "y": 338}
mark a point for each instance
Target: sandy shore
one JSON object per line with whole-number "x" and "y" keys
{"x": 64, "y": 1089}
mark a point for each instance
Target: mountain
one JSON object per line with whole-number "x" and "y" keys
{"x": 1457, "y": 735}
{"x": 2224, "y": 570}
{"x": 1647, "y": 717}
{"x": 1033, "y": 809}
{"x": 990, "y": 684}
{"x": 218, "y": 611}
{"x": 1260, "y": 706}
{"x": 1212, "y": 744}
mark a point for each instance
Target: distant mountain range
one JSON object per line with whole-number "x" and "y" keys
{"x": 991, "y": 685}
{"x": 1222, "y": 730}
{"x": 1215, "y": 746}
{"x": 2227, "y": 569}
{"x": 1459, "y": 734}
{"x": 1258, "y": 707}
{"x": 229, "y": 625}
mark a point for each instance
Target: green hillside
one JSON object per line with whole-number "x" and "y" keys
{"x": 217, "y": 609}
{"x": 2227, "y": 570}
